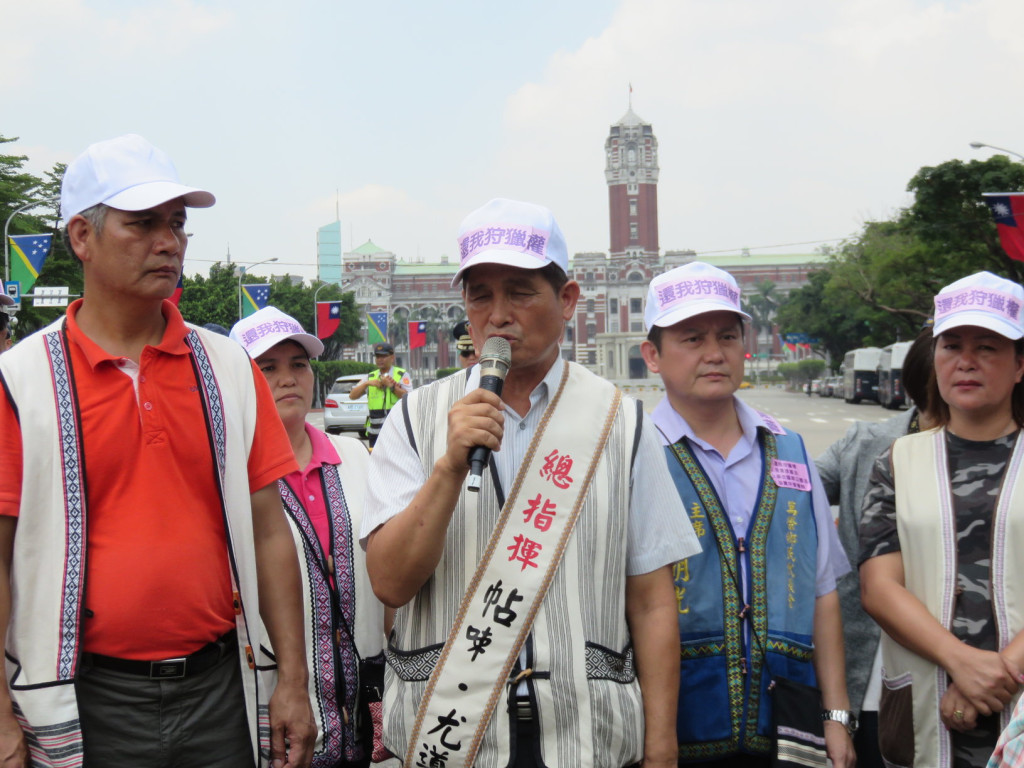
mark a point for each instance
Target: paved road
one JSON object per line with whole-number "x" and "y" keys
{"x": 821, "y": 420}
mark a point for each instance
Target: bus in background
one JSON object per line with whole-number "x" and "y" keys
{"x": 890, "y": 375}
{"x": 860, "y": 374}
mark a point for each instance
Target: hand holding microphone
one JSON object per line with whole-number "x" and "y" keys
{"x": 495, "y": 360}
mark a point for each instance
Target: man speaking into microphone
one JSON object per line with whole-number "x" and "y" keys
{"x": 536, "y": 621}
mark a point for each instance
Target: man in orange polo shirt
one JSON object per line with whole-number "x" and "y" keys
{"x": 140, "y": 461}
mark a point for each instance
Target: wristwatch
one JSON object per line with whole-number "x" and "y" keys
{"x": 844, "y": 717}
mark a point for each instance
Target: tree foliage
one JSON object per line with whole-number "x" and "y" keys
{"x": 214, "y": 299}
{"x": 878, "y": 287}
{"x": 19, "y": 188}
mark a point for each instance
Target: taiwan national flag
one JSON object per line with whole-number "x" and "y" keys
{"x": 417, "y": 334}
{"x": 376, "y": 327}
{"x": 254, "y": 297}
{"x": 1008, "y": 211}
{"x": 328, "y": 318}
{"x": 28, "y": 252}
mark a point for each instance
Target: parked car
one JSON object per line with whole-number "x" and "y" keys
{"x": 837, "y": 386}
{"x": 342, "y": 414}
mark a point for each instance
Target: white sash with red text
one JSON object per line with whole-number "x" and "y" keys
{"x": 513, "y": 576}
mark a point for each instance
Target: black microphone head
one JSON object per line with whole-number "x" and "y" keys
{"x": 496, "y": 357}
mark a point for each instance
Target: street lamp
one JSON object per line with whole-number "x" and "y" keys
{"x": 980, "y": 145}
{"x": 241, "y": 271}
{"x": 7, "y": 252}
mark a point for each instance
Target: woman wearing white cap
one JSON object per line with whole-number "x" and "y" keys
{"x": 323, "y": 502}
{"x": 942, "y": 529}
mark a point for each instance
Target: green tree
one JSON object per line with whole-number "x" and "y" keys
{"x": 879, "y": 286}
{"x": 61, "y": 267}
{"x": 214, "y": 299}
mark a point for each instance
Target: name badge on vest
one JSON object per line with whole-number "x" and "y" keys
{"x": 773, "y": 425}
{"x": 790, "y": 474}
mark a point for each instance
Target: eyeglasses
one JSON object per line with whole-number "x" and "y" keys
{"x": 466, "y": 354}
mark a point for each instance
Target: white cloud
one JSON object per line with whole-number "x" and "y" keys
{"x": 776, "y": 122}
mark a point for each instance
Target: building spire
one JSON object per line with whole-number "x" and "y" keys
{"x": 631, "y": 97}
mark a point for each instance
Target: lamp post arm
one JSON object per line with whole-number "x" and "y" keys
{"x": 980, "y": 144}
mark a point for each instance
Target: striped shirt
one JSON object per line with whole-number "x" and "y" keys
{"x": 659, "y": 529}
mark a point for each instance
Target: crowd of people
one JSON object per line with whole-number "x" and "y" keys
{"x": 191, "y": 574}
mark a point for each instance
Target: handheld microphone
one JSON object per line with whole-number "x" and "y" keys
{"x": 495, "y": 359}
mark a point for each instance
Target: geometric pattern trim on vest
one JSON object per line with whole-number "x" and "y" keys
{"x": 212, "y": 400}
{"x": 336, "y": 693}
{"x": 416, "y": 666}
{"x": 68, "y": 424}
{"x": 742, "y": 679}
{"x": 605, "y": 664}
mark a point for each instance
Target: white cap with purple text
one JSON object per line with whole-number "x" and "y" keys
{"x": 690, "y": 290}
{"x": 270, "y": 326}
{"x": 983, "y": 300}
{"x": 512, "y": 233}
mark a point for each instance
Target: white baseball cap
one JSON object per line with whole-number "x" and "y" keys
{"x": 512, "y": 233}
{"x": 982, "y": 299}
{"x": 127, "y": 173}
{"x": 270, "y": 326}
{"x": 690, "y": 290}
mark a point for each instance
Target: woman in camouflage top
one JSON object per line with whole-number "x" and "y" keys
{"x": 942, "y": 507}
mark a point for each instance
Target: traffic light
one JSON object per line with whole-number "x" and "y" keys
{"x": 748, "y": 355}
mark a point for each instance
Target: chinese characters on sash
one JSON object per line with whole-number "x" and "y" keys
{"x": 540, "y": 510}
{"x": 791, "y": 524}
{"x": 431, "y": 756}
{"x": 681, "y": 570}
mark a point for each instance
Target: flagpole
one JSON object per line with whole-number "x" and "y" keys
{"x": 242, "y": 269}
{"x": 7, "y": 242}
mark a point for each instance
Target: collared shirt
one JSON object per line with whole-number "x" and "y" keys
{"x": 307, "y": 485}
{"x": 158, "y": 580}
{"x": 736, "y": 478}
{"x": 659, "y": 531}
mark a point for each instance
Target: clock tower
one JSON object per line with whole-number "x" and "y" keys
{"x": 631, "y": 170}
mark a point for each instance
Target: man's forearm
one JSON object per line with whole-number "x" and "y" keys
{"x": 403, "y": 553}
{"x": 829, "y": 652}
{"x": 654, "y": 626}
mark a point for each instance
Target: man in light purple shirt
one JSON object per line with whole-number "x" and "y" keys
{"x": 759, "y": 509}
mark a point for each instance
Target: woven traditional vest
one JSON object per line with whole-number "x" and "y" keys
{"x": 48, "y": 571}
{"x": 724, "y": 706}
{"x": 926, "y": 524}
{"x": 584, "y": 681}
{"x": 344, "y": 626}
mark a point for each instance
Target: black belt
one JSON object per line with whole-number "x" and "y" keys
{"x": 205, "y": 658}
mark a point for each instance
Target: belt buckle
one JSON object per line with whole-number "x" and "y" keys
{"x": 168, "y": 669}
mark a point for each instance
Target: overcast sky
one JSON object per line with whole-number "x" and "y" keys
{"x": 783, "y": 122}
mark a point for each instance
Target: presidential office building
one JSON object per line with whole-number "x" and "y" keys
{"x": 607, "y": 330}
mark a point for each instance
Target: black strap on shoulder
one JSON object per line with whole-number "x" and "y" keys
{"x": 408, "y": 424}
{"x": 636, "y": 434}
